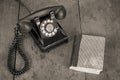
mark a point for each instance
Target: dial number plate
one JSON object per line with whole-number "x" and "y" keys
{"x": 48, "y": 28}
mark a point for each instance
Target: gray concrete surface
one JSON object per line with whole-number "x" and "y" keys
{"x": 98, "y": 17}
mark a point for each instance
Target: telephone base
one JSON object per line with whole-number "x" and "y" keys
{"x": 51, "y": 45}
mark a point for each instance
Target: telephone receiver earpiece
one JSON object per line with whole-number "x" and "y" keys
{"x": 59, "y": 11}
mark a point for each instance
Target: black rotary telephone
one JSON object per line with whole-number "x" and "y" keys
{"x": 44, "y": 27}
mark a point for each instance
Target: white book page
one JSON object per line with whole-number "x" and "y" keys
{"x": 91, "y": 52}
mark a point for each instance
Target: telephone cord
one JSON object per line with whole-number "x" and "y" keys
{"x": 17, "y": 46}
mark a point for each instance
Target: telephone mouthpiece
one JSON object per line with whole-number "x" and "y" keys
{"x": 26, "y": 26}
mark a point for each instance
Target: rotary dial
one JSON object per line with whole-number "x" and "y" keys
{"x": 48, "y": 28}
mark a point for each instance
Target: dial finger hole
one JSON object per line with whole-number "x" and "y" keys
{"x": 38, "y": 23}
{"x": 53, "y": 33}
{"x": 50, "y": 34}
{"x": 42, "y": 24}
{"x": 42, "y": 28}
{"x": 45, "y": 22}
{"x": 48, "y": 20}
{"x": 55, "y": 30}
{"x": 44, "y": 31}
{"x": 51, "y": 21}
{"x": 46, "y": 34}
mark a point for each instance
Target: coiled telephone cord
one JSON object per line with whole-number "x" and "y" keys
{"x": 17, "y": 46}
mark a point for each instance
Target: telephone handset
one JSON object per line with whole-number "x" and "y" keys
{"x": 44, "y": 27}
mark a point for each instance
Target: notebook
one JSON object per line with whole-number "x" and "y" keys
{"x": 88, "y": 56}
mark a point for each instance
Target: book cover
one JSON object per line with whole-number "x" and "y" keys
{"x": 89, "y": 57}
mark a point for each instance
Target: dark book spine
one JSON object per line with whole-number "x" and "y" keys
{"x": 75, "y": 49}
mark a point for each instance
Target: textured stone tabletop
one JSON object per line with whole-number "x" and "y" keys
{"x": 98, "y": 17}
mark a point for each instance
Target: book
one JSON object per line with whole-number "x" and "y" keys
{"x": 88, "y": 54}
